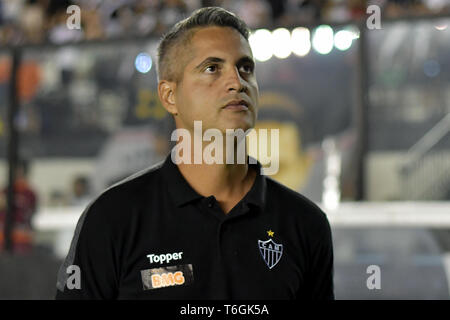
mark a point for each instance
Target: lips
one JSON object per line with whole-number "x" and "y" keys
{"x": 237, "y": 105}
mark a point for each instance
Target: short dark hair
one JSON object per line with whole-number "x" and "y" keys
{"x": 181, "y": 33}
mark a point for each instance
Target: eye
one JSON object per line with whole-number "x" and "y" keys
{"x": 246, "y": 68}
{"x": 211, "y": 68}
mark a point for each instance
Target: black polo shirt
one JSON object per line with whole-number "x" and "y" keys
{"x": 152, "y": 236}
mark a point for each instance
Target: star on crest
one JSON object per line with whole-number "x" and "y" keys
{"x": 270, "y": 233}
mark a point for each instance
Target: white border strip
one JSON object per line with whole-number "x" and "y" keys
{"x": 390, "y": 214}
{"x": 446, "y": 261}
{"x": 348, "y": 214}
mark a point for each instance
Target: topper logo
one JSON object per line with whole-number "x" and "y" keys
{"x": 167, "y": 279}
{"x": 167, "y": 257}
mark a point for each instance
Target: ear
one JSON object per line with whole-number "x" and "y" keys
{"x": 166, "y": 93}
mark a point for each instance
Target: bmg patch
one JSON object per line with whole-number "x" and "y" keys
{"x": 167, "y": 276}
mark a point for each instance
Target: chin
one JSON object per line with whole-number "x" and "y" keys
{"x": 244, "y": 127}
{"x": 242, "y": 124}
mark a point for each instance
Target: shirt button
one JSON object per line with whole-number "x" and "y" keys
{"x": 210, "y": 204}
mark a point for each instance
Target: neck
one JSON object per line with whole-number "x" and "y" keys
{"x": 208, "y": 169}
{"x": 223, "y": 180}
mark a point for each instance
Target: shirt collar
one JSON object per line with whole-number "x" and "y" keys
{"x": 182, "y": 193}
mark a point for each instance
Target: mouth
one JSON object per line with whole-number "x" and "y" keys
{"x": 237, "y": 105}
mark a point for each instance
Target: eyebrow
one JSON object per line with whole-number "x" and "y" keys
{"x": 244, "y": 59}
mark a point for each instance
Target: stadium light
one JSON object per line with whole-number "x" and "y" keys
{"x": 300, "y": 41}
{"x": 143, "y": 62}
{"x": 261, "y": 44}
{"x": 343, "y": 40}
{"x": 441, "y": 24}
{"x": 281, "y": 43}
{"x": 354, "y": 31}
{"x": 322, "y": 40}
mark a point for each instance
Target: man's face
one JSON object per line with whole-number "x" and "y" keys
{"x": 220, "y": 70}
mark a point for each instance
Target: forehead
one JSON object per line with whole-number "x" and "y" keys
{"x": 218, "y": 41}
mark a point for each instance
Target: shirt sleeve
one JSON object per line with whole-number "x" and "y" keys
{"x": 321, "y": 271}
{"x": 90, "y": 270}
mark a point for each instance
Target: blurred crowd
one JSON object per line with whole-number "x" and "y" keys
{"x": 37, "y": 21}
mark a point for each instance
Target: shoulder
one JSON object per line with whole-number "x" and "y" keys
{"x": 123, "y": 197}
{"x": 105, "y": 221}
{"x": 133, "y": 184}
{"x": 293, "y": 205}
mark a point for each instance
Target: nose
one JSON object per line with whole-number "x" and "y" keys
{"x": 235, "y": 81}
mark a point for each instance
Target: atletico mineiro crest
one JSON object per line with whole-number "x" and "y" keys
{"x": 270, "y": 251}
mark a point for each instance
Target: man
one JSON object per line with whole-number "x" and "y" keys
{"x": 25, "y": 205}
{"x": 196, "y": 230}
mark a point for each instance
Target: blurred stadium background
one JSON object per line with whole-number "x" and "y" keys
{"x": 364, "y": 118}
